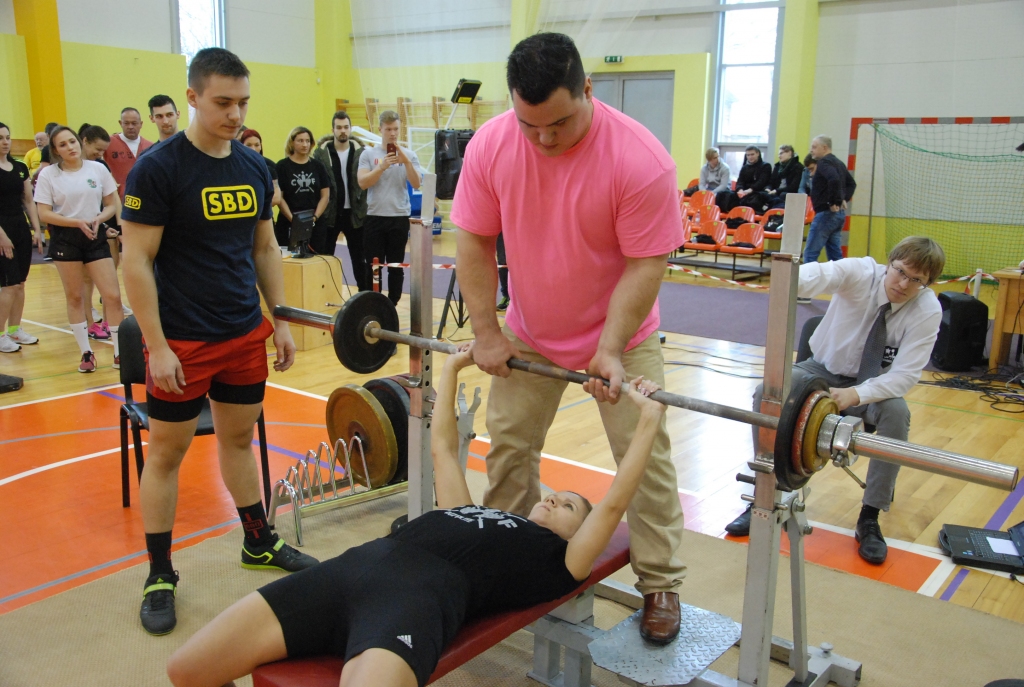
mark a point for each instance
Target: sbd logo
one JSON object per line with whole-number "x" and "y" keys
{"x": 229, "y": 202}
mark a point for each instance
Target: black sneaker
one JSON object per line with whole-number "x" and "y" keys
{"x": 157, "y": 612}
{"x": 275, "y": 556}
{"x": 503, "y": 304}
{"x": 872, "y": 547}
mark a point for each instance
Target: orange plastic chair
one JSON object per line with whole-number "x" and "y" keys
{"x": 742, "y": 212}
{"x": 809, "y": 213}
{"x": 693, "y": 182}
{"x": 716, "y": 230}
{"x": 705, "y": 213}
{"x": 772, "y": 235}
{"x": 746, "y": 233}
{"x": 702, "y": 198}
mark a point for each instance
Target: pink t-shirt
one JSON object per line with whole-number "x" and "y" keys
{"x": 569, "y": 223}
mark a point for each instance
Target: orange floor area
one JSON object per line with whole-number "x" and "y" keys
{"x": 60, "y": 487}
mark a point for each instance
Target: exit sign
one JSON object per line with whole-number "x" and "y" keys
{"x": 610, "y": 59}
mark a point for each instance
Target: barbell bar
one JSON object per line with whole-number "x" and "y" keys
{"x": 368, "y": 319}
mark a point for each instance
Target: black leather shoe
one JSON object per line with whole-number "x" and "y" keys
{"x": 872, "y": 545}
{"x": 740, "y": 527}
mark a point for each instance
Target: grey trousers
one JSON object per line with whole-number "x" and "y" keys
{"x": 890, "y": 417}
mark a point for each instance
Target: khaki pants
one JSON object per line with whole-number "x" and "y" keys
{"x": 520, "y": 410}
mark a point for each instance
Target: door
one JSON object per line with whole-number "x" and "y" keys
{"x": 644, "y": 96}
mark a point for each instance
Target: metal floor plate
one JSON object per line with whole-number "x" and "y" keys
{"x": 703, "y": 637}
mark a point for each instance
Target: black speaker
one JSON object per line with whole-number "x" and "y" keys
{"x": 961, "y": 342}
{"x": 449, "y": 148}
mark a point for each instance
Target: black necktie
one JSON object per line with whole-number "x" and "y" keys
{"x": 874, "y": 347}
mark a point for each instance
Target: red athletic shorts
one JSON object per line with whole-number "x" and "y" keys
{"x": 232, "y": 371}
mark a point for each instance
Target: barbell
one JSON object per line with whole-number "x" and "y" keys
{"x": 808, "y": 431}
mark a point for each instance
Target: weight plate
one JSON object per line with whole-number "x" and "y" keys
{"x": 353, "y": 411}
{"x": 395, "y": 400}
{"x": 796, "y": 454}
{"x": 822, "y": 409}
{"x": 802, "y": 385}
{"x": 350, "y": 344}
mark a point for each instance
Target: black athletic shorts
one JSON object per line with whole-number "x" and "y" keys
{"x": 381, "y": 595}
{"x": 15, "y": 270}
{"x": 69, "y": 244}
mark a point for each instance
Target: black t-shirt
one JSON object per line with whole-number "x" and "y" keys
{"x": 508, "y": 561}
{"x": 12, "y": 189}
{"x": 271, "y": 167}
{"x": 339, "y": 174}
{"x": 208, "y": 207}
{"x": 45, "y": 155}
{"x": 301, "y": 184}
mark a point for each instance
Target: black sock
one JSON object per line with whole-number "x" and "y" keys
{"x": 254, "y": 523}
{"x": 867, "y": 513}
{"x": 159, "y": 547}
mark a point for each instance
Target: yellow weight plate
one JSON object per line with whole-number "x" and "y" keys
{"x": 812, "y": 462}
{"x": 353, "y": 411}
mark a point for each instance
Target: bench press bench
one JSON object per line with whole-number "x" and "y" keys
{"x": 474, "y": 638}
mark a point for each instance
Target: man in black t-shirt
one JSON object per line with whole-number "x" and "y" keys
{"x": 198, "y": 239}
{"x": 347, "y": 209}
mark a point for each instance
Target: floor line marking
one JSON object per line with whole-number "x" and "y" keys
{"x": 61, "y": 463}
{"x": 300, "y": 392}
{"x": 57, "y": 434}
{"x": 57, "y": 398}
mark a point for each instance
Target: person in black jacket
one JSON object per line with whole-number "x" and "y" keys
{"x": 785, "y": 177}
{"x": 832, "y": 189}
{"x": 750, "y": 185}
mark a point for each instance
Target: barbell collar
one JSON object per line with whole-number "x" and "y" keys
{"x": 976, "y": 470}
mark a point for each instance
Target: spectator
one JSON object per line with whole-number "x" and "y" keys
{"x": 786, "y": 176}
{"x": 125, "y": 148}
{"x": 832, "y": 189}
{"x": 76, "y": 196}
{"x": 34, "y": 156}
{"x": 383, "y": 173}
{"x": 251, "y": 139}
{"x": 347, "y": 211}
{"x": 810, "y": 164}
{"x": 44, "y": 156}
{"x": 750, "y": 185}
{"x": 714, "y": 175}
{"x": 16, "y": 239}
{"x": 164, "y": 113}
{"x": 95, "y": 141}
{"x": 305, "y": 183}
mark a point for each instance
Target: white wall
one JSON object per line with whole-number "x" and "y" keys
{"x": 7, "y": 17}
{"x": 272, "y": 32}
{"x": 916, "y": 58}
{"x": 133, "y": 24}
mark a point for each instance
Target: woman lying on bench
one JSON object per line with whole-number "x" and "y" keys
{"x": 391, "y": 606}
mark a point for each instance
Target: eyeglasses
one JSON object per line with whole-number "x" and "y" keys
{"x": 913, "y": 281}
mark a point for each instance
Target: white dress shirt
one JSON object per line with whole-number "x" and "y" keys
{"x": 857, "y": 289}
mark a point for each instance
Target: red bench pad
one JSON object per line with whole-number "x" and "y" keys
{"x": 473, "y": 639}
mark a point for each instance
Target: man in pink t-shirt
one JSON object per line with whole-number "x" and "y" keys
{"x": 586, "y": 200}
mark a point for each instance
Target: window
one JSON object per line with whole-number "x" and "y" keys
{"x": 745, "y": 78}
{"x": 200, "y": 25}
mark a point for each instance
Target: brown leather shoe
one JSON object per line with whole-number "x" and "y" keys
{"x": 660, "y": 622}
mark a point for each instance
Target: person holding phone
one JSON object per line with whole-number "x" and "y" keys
{"x": 383, "y": 171}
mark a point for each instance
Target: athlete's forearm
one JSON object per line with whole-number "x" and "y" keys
{"x": 478, "y": 280}
{"x": 366, "y": 179}
{"x": 449, "y": 483}
{"x": 631, "y": 302}
{"x": 30, "y": 207}
{"x": 633, "y": 464}
{"x": 46, "y": 214}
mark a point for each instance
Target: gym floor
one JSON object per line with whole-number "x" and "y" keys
{"x": 60, "y": 473}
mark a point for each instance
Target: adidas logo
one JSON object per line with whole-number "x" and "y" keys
{"x": 406, "y": 639}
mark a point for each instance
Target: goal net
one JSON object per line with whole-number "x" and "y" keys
{"x": 959, "y": 184}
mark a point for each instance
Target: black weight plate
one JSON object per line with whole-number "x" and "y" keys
{"x": 395, "y": 400}
{"x": 801, "y": 386}
{"x": 350, "y": 345}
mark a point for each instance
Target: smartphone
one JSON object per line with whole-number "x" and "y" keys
{"x": 392, "y": 149}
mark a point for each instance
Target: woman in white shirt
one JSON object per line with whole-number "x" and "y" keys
{"x": 75, "y": 196}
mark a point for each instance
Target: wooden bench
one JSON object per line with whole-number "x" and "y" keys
{"x": 474, "y": 638}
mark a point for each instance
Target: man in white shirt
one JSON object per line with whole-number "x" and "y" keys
{"x": 891, "y": 306}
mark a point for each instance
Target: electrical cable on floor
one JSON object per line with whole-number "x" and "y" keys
{"x": 1002, "y": 390}
{"x": 341, "y": 266}
{"x": 722, "y": 357}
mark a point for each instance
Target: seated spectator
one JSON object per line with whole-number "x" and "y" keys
{"x": 714, "y": 175}
{"x": 750, "y": 185}
{"x": 785, "y": 177}
{"x": 34, "y": 156}
{"x": 810, "y": 165}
